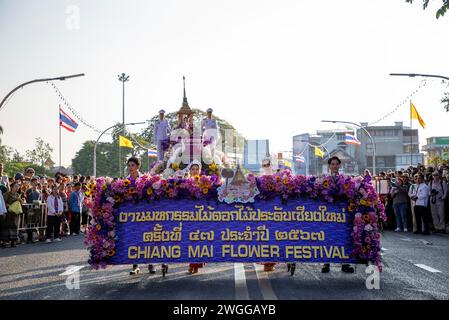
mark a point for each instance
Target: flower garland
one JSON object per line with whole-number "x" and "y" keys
{"x": 362, "y": 199}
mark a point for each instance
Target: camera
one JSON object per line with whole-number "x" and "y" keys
{"x": 434, "y": 192}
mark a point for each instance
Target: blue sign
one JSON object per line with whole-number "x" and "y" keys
{"x": 175, "y": 231}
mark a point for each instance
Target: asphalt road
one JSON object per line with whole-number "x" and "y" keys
{"x": 415, "y": 267}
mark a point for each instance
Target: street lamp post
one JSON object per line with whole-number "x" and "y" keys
{"x": 419, "y": 75}
{"x": 123, "y": 78}
{"x": 61, "y": 78}
{"x": 96, "y": 142}
{"x": 368, "y": 134}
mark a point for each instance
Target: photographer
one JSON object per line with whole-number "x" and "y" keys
{"x": 438, "y": 192}
{"x": 420, "y": 196}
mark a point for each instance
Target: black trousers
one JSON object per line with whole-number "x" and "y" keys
{"x": 422, "y": 215}
{"x": 53, "y": 226}
{"x": 75, "y": 222}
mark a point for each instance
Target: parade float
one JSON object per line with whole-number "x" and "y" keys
{"x": 222, "y": 215}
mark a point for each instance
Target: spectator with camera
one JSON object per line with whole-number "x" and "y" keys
{"x": 438, "y": 193}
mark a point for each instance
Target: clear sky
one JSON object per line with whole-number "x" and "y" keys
{"x": 271, "y": 68}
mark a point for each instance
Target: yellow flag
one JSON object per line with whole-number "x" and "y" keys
{"x": 123, "y": 142}
{"x": 319, "y": 152}
{"x": 415, "y": 115}
{"x": 287, "y": 163}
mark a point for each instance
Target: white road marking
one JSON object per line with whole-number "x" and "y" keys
{"x": 425, "y": 242}
{"x": 241, "y": 290}
{"x": 71, "y": 270}
{"x": 384, "y": 249}
{"x": 406, "y": 239}
{"x": 264, "y": 283}
{"x": 427, "y": 268}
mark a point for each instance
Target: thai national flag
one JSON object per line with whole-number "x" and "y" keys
{"x": 152, "y": 153}
{"x": 300, "y": 159}
{"x": 66, "y": 122}
{"x": 351, "y": 139}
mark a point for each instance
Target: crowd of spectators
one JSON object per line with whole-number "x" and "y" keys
{"x": 417, "y": 199}
{"x": 23, "y": 197}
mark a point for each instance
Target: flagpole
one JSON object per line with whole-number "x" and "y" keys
{"x": 411, "y": 136}
{"x": 59, "y": 124}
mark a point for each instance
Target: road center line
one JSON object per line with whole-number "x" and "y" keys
{"x": 264, "y": 283}
{"x": 241, "y": 290}
{"x": 427, "y": 268}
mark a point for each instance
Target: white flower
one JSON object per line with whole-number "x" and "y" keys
{"x": 368, "y": 228}
{"x": 156, "y": 185}
{"x": 110, "y": 200}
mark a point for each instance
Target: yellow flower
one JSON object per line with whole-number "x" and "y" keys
{"x": 98, "y": 227}
{"x": 126, "y": 182}
{"x": 175, "y": 166}
{"x": 285, "y": 181}
{"x": 213, "y": 166}
{"x": 149, "y": 191}
{"x": 111, "y": 252}
{"x": 117, "y": 198}
{"x": 132, "y": 190}
{"x": 104, "y": 187}
{"x": 351, "y": 206}
{"x": 326, "y": 184}
{"x": 197, "y": 177}
{"x": 205, "y": 190}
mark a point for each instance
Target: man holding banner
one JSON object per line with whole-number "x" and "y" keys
{"x": 334, "y": 164}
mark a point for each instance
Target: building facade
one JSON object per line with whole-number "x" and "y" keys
{"x": 436, "y": 147}
{"x": 254, "y": 153}
{"x": 397, "y": 147}
{"x": 332, "y": 143}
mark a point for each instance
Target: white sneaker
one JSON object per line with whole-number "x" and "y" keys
{"x": 397, "y": 230}
{"x": 48, "y": 241}
{"x": 57, "y": 240}
{"x": 405, "y": 230}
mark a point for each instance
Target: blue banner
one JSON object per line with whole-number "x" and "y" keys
{"x": 175, "y": 231}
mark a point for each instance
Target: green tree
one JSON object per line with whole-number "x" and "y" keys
{"x": 41, "y": 154}
{"x": 440, "y": 12}
{"x": 11, "y": 168}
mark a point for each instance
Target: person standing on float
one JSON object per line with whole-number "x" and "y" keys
{"x": 209, "y": 130}
{"x": 267, "y": 169}
{"x": 334, "y": 164}
{"x": 161, "y": 135}
{"x": 133, "y": 165}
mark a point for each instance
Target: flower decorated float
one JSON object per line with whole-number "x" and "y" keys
{"x": 125, "y": 212}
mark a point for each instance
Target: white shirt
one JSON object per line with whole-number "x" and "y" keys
{"x": 51, "y": 205}
{"x": 207, "y": 123}
{"x": 422, "y": 192}
{"x": 2, "y": 204}
{"x": 161, "y": 130}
